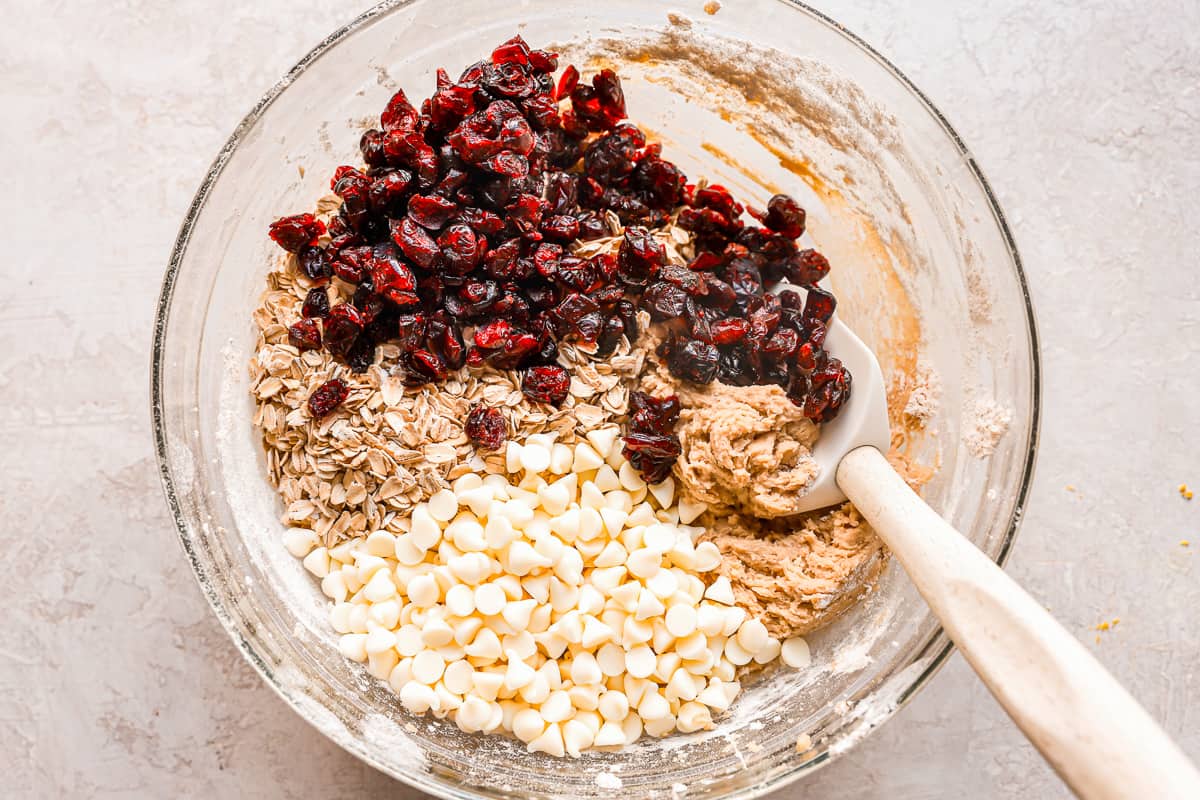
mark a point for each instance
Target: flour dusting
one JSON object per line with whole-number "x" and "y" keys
{"x": 926, "y": 396}
{"x": 987, "y": 422}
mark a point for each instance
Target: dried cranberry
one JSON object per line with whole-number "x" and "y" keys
{"x": 567, "y": 82}
{"x": 649, "y": 414}
{"x": 706, "y": 223}
{"x": 493, "y": 335}
{"x": 560, "y": 228}
{"x": 547, "y": 348}
{"x": 516, "y": 136}
{"x": 450, "y": 103}
{"x": 806, "y": 268}
{"x": 573, "y": 308}
{"x": 790, "y": 300}
{"x": 548, "y": 384}
{"x": 735, "y": 367}
{"x": 361, "y": 355}
{"x": 717, "y": 293}
{"x": 546, "y": 259}
{"x": 692, "y": 360}
{"x": 485, "y": 428}
{"x": 327, "y": 397}
{"x": 706, "y": 260}
{"x": 745, "y": 280}
{"x": 769, "y": 368}
{"x": 610, "y": 337}
{"x": 430, "y": 211}
{"x": 764, "y": 314}
{"x": 409, "y": 149}
{"x": 481, "y": 221}
{"x": 387, "y": 190}
{"x": 698, "y": 321}
{"x": 388, "y": 272}
{"x": 628, "y": 314}
{"x": 443, "y": 337}
{"x": 829, "y": 390}
{"x": 729, "y": 331}
{"x": 518, "y": 348}
{"x": 305, "y": 334}
{"x": 665, "y": 301}
{"x": 292, "y": 233}
{"x": 815, "y": 331}
{"x": 652, "y": 454}
{"x": 784, "y": 215}
{"x": 782, "y": 343}
{"x": 461, "y": 249}
{"x": 806, "y": 356}
{"x": 591, "y": 226}
{"x": 371, "y": 147}
{"x": 661, "y": 182}
{"x": 501, "y": 262}
{"x": 525, "y": 214}
{"x": 354, "y": 188}
{"x": 342, "y": 327}
{"x": 458, "y": 185}
{"x": 422, "y": 366}
{"x": 820, "y": 305}
{"x": 315, "y": 263}
{"x": 368, "y": 303}
{"x": 602, "y": 105}
{"x": 639, "y": 257}
{"x": 350, "y": 263}
{"x": 399, "y": 114}
{"x": 690, "y": 282}
{"x": 577, "y": 274}
{"x": 719, "y": 199}
{"x": 613, "y": 157}
{"x": 562, "y": 192}
{"x": 316, "y": 304}
{"x": 508, "y": 164}
{"x": 589, "y": 326}
{"x": 410, "y": 331}
{"x": 508, "y": 79}
{"x": 416, "y": 243}
{"x": 515, "y": 50}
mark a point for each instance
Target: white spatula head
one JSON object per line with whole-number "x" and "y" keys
{"x": 863, "y": 419}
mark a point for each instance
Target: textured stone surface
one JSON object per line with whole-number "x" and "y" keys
{"x": 116, "y": 680}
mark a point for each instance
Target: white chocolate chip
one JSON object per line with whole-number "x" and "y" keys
{"x": 603, "y": 440}
{"x": 299, "y": 541}
{"x": 443, "y": 505}
{"x": 795, "y": 653}
{"x": 317, "y": 562}
{"x": 629, "y": 477}
{"x": 535, "y": 458}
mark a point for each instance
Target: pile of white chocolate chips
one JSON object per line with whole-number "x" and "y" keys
{"x": 556, "y": 597}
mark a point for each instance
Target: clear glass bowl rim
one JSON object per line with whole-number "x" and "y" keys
{"x": 938, "y": 644}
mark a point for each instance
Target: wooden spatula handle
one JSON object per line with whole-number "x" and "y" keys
{"x": 1099, "y": 739}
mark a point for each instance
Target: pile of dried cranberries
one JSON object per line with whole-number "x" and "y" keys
{"x": 463, "y": 216}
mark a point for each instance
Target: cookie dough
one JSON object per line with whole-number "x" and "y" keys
{"x": 797, "y": 574}
{"x": 745, "y": 448}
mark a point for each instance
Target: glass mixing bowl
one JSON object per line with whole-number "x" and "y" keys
{"x": 763, "y": 96}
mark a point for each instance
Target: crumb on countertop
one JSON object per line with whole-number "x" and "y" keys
{"x": 1185, "y": 492}
{"x": 712, "y": 7}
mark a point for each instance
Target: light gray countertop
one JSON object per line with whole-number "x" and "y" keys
{"x": 117, "y": 681}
